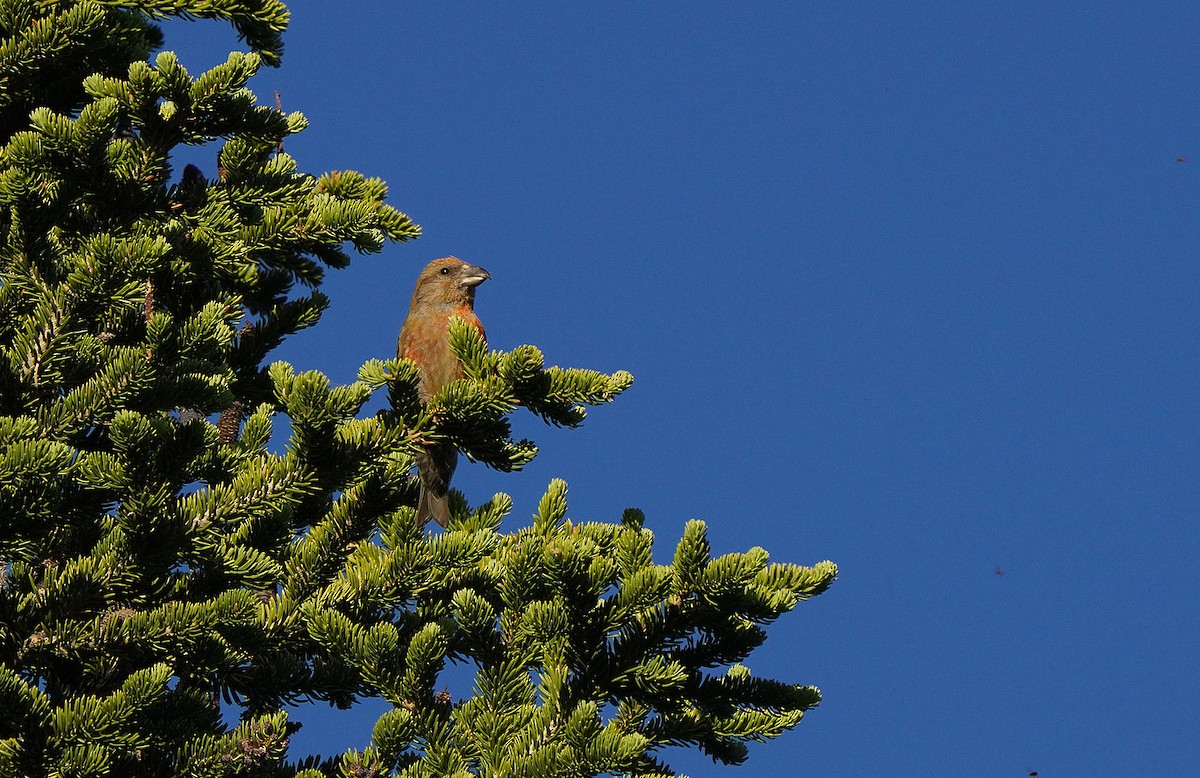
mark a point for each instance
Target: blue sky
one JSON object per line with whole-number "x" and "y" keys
{"x": 912, "y": 287}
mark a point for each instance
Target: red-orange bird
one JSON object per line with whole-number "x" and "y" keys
{"x": 445, "y": 288}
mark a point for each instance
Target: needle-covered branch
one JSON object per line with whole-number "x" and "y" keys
{"x": 473, "y": 412}
{"x": 584, "y": 654}
{"x": 189, "y": 532}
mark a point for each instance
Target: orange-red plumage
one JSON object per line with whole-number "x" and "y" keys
{"x": 445, "y": 288}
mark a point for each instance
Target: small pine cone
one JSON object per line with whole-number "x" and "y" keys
{"x": 230, "y": 423}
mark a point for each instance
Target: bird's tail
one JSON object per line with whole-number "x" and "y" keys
{"x": 433, "y": 506}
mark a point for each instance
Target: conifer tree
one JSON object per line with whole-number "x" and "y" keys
{"x": 165, "y": 556}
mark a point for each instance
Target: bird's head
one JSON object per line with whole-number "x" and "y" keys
{"x": 449, "y": 281}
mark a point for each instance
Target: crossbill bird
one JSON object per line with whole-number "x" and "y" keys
{"x": 445, "y": 288}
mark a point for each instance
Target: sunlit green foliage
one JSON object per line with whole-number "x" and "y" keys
{"x": 163, "y": 553}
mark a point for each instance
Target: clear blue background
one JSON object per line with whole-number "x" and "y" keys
{"x": 909, "y": 286}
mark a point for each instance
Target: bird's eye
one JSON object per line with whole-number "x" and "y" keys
{"x": 445, "y": 271}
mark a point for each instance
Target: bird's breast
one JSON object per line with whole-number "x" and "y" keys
{"x": 426, "y": 341}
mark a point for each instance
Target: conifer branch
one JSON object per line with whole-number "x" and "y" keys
{"x": 168, "y": 557}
